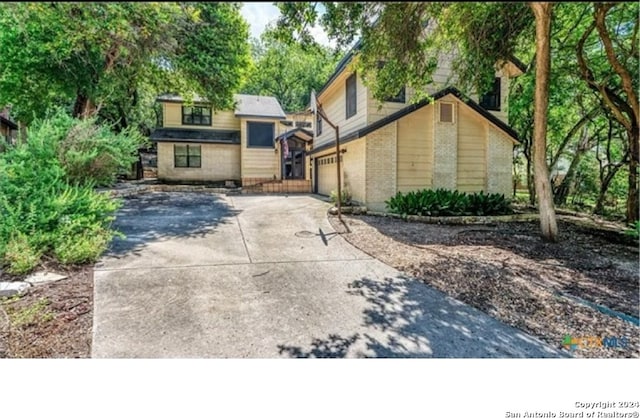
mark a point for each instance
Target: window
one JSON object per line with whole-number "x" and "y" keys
{"x": 260, "y": 134}
{"x": 197, "y": 115}
{"x": 352, "y": 102}
{"x": 446, "y": 112}
{"x": 187, "y": 156}
{"x": 318, "y": 125}
{"x": 491, "y": 99}
{"x": 398, "y": 98}
{"x": 303, "y": 124}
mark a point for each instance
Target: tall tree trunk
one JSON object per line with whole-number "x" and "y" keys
{"x": 627, "y": 112}
{"x": 632, "y": 194}
{"x": 604, "y": 187}
{"x": 531, "y": 186}
{"x": 548, "y": 224}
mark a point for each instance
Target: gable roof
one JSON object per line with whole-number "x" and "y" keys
{"x": 260, "y": 106}
{"x": 342, "y": 65}
{"x": 246, "y": 105}
{"x": 412, "y": 108}
{"x": 301, "y": 133}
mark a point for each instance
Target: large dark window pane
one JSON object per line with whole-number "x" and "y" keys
{"x": 197, "y": 115}
{"x": 318, "y": 125}
{"x": 491, "y": 99}
{"x": 352, "y": 100}
{"x": 260, "y": 134}
{"x": 186, "y": 156}
{"x": 398, "y": 98}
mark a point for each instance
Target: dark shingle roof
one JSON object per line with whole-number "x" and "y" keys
{"x": 247, "y": 105}
{"x": 195, "y": 135}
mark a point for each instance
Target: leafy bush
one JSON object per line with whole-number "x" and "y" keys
{"x": 442, "y": 202}
{"x": 346, "y": 197}
{"x": 634, "y": 231}
{"x": 21, "y": 255}
{"x": 48, "y": 205}
{"x": 91, "y": 152}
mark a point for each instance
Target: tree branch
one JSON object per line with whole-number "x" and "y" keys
{"x": 627, "y": 82}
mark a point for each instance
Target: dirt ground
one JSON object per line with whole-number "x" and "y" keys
{"x": 507, "y": 271}
{"x": 52, "y": 320}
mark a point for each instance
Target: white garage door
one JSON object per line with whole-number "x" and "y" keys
{"x": 327, "y": 180}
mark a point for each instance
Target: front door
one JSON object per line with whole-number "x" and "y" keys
{"x": 293, "y": 161}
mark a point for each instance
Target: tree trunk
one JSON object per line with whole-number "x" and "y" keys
{"x": 566, "y": 185}
{"x": 632, "y": 194}
{"x": 531, "y": 186}
{"x": 83, "y": 107}
{"x": 627, "y": 112}
{"x": 548, "y": 224}
{"x": 568, "y": 181}
{"x": 604, "y": 187}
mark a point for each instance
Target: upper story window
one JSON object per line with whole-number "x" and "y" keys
{"x": 491, "y": 99}
{"x": 352, "y": 100}
{"x": 260, "y": 134}
{"x": 303, "y": 124}
{"x": 196, "y": 115}
{"x": 398, "y": 98}
{"x": 318, "y": 125}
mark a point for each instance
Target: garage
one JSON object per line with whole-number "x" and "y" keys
{"x": 327, "y": 179}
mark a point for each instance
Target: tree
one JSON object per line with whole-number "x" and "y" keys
{"x": 289, "y": 71}
{"x": 95, "y": 56}
{"x": 617, "y": 88}
{"x": 542, "y": 13}
{"x": 578, "y": 115}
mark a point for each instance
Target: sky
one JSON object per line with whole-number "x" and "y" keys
{"x": 259, "y": 15}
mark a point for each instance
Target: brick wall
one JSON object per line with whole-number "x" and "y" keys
{"x": 219, "y": 162}
{"x": 381, "y": 166}
{"x": 445, "y": 150}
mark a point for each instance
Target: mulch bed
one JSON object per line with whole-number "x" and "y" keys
{"x": 52, "y": 320}
{"x": 507, "y": 271}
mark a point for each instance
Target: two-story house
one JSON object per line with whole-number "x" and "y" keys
{"x": 454, "y": 142}
{"x": 246, "y": 145}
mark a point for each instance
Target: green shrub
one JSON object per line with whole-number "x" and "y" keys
{"x": 93, "y": 153}
{"x": 442, "y": 202}
{"x": 634, "y": 230}
{"x": 48, "y": 204}
{"x": 20, "y": 255}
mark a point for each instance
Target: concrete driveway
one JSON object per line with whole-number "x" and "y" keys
{"x": 209, "y": 276}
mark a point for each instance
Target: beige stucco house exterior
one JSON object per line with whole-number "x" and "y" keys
{"x": 196, "y": 144}
{"x": 453, "y": 142}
